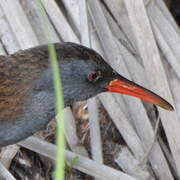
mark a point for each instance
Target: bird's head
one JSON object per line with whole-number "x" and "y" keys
{"x": 86, "y": 74}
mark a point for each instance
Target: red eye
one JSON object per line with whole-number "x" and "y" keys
{"x": 94, "y": 76}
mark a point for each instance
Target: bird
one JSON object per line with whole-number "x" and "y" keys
{"x": 27, "y": 92}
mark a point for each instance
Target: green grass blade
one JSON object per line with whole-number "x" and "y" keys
{"x": 60, "y": 164}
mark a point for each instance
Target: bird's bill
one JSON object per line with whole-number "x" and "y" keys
{"x": 124, "y": 86}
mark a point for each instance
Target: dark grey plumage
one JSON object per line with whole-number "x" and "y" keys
{"x": 26, "y": 89}
{"x": 27, "y": 94}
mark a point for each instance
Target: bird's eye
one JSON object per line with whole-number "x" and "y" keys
{"x": 94, "y": 76}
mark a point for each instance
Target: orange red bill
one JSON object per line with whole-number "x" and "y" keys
{"x": 124, "y": 86}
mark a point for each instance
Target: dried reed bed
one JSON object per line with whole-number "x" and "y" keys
{"x": 141, "y": 41}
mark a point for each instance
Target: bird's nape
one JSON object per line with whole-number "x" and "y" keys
{"x": 124, "y": 86}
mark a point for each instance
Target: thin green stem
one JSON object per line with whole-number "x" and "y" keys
{"x": 60, "y": 164}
